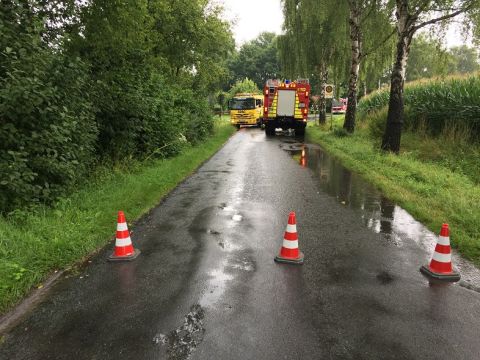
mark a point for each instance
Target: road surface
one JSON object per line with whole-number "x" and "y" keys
{"x": 206, "y": 287}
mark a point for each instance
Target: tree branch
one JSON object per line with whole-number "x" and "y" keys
{"x": 445, "y": 17}
{"x": 421, "y": 8}
{"x": 366, "y": 53}
{"x": 369, "y": 13}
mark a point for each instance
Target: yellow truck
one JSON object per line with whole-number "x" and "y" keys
{"x": 246, "y": 109}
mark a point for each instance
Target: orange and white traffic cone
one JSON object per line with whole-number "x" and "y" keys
{"x": 290, "y": 253}
{"x": 303, "y": 158}
{"x": 124, "y": 250}
{"x": 441, "y": 265}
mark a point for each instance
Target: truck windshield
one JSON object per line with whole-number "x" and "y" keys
{"x": 242, "y": 104}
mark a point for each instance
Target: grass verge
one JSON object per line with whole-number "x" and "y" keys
{"x": 33, "y": 245}
{"x": 431, "y": 191}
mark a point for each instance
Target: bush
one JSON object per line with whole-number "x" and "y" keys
{"x": 48, "y": 132}
{"x": 176, "y": 116}
{"x": 199, "y": 119}
{"x": 84, "y": 92}
{"x": 376, "y": 123}
{"x": 340, "y": 132}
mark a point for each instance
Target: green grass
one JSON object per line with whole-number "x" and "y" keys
{"x": 425, "y": 179}
{"x": 33, "y": 245}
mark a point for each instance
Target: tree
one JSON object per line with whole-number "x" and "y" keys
{"x": 411, "y": 16}
{"x": 365, "y": 18}
{"x": 428, "y": 58}
{"x": 47, "y": 126}
{"x": 191, "y": 41}
{"x": 115, "y": 43}
{"x": 257, "y": 60}
{"x": 329, "y": 41}
{"x": 88, "y": 81}
{"x": 356, "y": 10}
{"x": 465, "y": 59}
{"x": 243, "y": 86}
{"x": 315, "y": 42}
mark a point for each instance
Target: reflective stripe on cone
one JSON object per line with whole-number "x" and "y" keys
{"x": 290, "y": 253}
{"x": 124, "y": 250}
{"x": 440, "y": 267}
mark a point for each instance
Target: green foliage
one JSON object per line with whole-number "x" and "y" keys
{"x": 440, "y": 106}
{"x": 116, "y": 48}
{"x": 465, "y": 60}
{"x": 102, "y": 81}
{"x": 221, "y": 99}
{"x": 199, "y": 122}
{"x": 244, "y": 86}
{"x": 189, "y": 37}
{"x": 428, "y": 58}
{"x": 161, "y": 129}
{"x": 340, "y": 132}
{"x": 377, "y": 121}
{"x": 47, "y": 132}
{"x": 257, "y": 60}
{"x": 317, "y": 39}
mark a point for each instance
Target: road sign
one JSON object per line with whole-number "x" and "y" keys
{"x": 328, "y": 91}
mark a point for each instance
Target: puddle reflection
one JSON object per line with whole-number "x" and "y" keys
{"x": 377, "y": 212}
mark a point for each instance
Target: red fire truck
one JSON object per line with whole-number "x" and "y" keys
{"x": 286, "y": 105}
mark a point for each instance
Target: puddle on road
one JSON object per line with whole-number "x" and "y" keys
{"x": 237, "y": 217}
{"x": 377, "y": 212}
{"x": 216, "y": 286}
{"x": 182, "y": 341}
{"x": 244, "y": 264}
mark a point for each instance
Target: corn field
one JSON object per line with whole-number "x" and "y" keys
{"x": 450, "y": 104}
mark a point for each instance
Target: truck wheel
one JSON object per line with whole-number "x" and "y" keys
{"x": 238, "y": 127}
{"x": 300, "y": 131}
{"x": 269, "y": 129}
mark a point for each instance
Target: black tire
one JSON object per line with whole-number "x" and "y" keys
{"x": 300, "y": 131}
{"x": 238, "y": 127}
{"x": 269, "y": 129}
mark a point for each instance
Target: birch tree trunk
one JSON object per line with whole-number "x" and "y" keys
{"x": 322, "y": 102}
{"x": 406, "y": 30}
{"x": 356, "y": 43}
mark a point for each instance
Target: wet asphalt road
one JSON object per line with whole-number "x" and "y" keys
{"x": 206, "y": 285}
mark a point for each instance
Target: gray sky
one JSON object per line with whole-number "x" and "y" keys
{"x": 255, "y": 16}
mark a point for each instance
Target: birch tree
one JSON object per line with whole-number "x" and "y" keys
{"x": 365, "y": 19}
{"x": 411, "y": 16}
{"x": 315, "y": 41}
{"x": 329, "y": 40}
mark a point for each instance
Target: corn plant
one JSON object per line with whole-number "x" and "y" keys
{"x": 448, "y": 105}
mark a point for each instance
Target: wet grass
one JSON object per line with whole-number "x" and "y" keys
{"x": 436, "y": 180}
{"x": 34, "y": 244}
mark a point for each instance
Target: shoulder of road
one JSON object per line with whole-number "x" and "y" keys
{"x": 37, "y": 246}
{"x": 428, "y": 189}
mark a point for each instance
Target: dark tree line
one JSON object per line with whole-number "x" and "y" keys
{"x": 101, "y": 81}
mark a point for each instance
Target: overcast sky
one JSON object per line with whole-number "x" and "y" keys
{"x": 255, "y": 16}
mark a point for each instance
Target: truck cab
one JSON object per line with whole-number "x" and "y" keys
{"x": 246, "y": 109}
